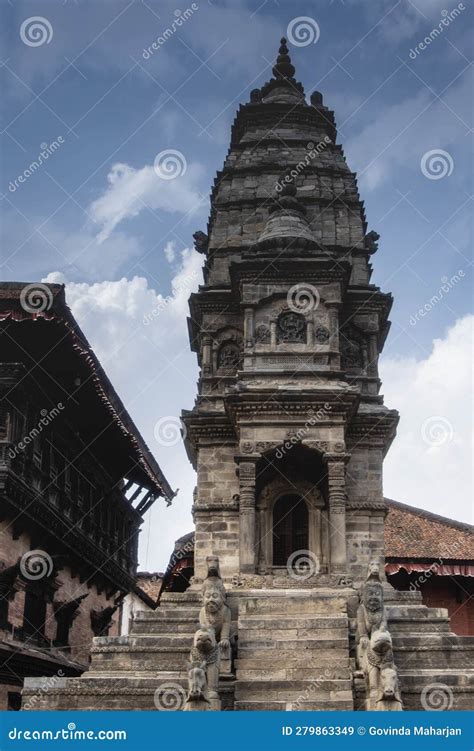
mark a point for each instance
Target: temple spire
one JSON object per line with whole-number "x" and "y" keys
{"x": 282, "y": 88}
{"x": 283, "y": 67}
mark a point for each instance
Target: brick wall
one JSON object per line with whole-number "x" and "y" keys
{"x": 69, "y": 587}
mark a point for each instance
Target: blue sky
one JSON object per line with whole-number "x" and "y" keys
{"x": 97, "y": 216}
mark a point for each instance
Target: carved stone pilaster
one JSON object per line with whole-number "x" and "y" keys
{"x": 247, "y": 473}
{"x": 336, "y": 473}
{"x": 206, "y": 355}
{"x": 249, "y": 333}
{"x": 333, "y": 315}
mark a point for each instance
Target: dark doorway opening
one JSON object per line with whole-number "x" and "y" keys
{"x": 290, "y": 528}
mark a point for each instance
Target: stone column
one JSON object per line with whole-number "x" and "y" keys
{"x": 249, "y": 334}
{"x": 373, "y": 355}
{"x": 336, "y": 472}
{"x": 206, "y": 355}
{"x": 248, "y": 553}
{"x": 273, "y": 333}
{"x": 333, "y": 315}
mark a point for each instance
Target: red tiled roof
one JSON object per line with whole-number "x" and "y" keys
{"x": 412, "y": 533}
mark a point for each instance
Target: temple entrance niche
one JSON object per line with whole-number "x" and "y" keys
{"x": 291, "y": 507}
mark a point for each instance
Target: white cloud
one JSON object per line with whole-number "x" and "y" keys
{"x": 170, "y": 251}
{"x": 131, "y": 190}
{"x": 429, "y": 462}
{"x": 140, "y": 336}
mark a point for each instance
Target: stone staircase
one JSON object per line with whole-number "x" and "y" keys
{"x": 293, "y": 652}
{"x": 435, "y": 666}
{"x": 144, "y": 670}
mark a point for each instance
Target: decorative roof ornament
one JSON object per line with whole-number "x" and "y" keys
{"x": 283, "y": 67}
{"x": 283, "y": 87}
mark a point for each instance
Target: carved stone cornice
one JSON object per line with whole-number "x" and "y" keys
{"x": 205, "y": 507}
{"x": 367, "y": 429}
{"x": 366, "y": 506}
{"x": 316, "y": 271}
{"x": 292, "y": 405}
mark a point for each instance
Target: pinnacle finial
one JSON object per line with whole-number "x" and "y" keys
{"x": 283, "y": 67}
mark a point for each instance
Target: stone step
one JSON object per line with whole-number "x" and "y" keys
{"x": 136, "y": 641}
{"x": 413, "y": 657}
{"x": 434, "y": 640}
{"x": 323, "y": 602}
{"x": 453, "y": 677}
{"x": 416, "y": 611}
{"x": 142, "y": 657}
{"x": 165, "y": 690}
{"x": 270, "y": 622}
{"x": 437, "y": 689}
{"x": 294, "y": 673}
{"x": 305, "y": 706}
{"x": 177, "y": 625}
{"x": 302, "y": 635}
{"x": 258, "y": 644}
{"x": 293, "y": 690}
{"x": 165, "y": 613}
{"x": 419, "y": 626}
{"x": 293, "y": 658}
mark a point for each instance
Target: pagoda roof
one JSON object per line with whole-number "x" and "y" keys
{"x": 42, "y": 336}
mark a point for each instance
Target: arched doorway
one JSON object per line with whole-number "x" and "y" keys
{"x": 290, "y": 526}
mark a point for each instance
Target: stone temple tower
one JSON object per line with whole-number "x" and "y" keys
{"x": 289, "y": 429}
{"x": 288, "y": 435}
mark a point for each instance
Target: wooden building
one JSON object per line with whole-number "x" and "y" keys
{"x": 75, "y": 480}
